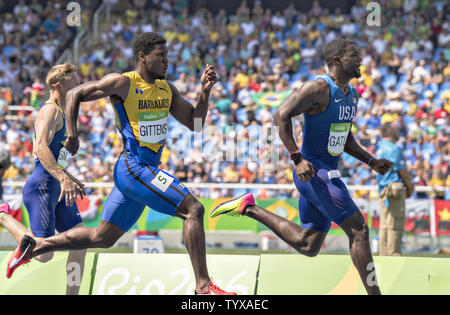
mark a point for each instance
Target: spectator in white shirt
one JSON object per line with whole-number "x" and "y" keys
{"x": 358, "y": 11}
{"x": 348, "y": 28}
{"x": 444, "y": 37}
{"x": 8, "y": 24}
{"x": 48, "y": 51}
{"x": 146, "y": 26}
{"x": 408, "y": 64}
{"x": 409, "y": 5}
{"x": 117, "y": 27}
{"x": 421, "y": 53}
{"x": 379, "y": 44}
{"x": 12, "y": 134}
{"x": 420, "y": 73}
{"x": 20, "y": 9}
{"x": 330, "y": 35}
{"x": 248, "y": 27}
{"x": 308, "y": 53}
{"x": 165, "y": 19}
{"x": 278, "y": 21}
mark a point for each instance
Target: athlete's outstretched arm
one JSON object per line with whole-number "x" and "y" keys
{"x": 45, "y": 128}
{"x": 109, "y": 85}
{"x": 185, "y": 112}
{"x": 312, "y": 98}
{"x": 353, "y": 148}
{"x": 47, "y": 123}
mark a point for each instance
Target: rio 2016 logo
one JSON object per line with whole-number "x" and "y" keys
{"x": 74, "y": 17}
{"x": 121, "y": 281}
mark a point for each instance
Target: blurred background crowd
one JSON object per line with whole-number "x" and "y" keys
{"x": 405, "y": 81}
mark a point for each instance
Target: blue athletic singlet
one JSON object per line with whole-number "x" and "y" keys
{"x": 325, "y": 134}
{"x": 41, "y": 192}
{"x": 143, "y": 121}
{"x": 325, "y": 198}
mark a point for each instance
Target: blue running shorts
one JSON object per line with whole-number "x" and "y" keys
{"x": 46, "y": 214}
{"x": 323, "y": 200}
{"x": 138, "y": 185}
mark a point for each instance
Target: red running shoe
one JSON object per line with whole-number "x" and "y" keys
{"x": 20, "y": 255}
{"x": 215, "y": 290}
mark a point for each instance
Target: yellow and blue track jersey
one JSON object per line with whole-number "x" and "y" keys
{"x": 143, "y": 118}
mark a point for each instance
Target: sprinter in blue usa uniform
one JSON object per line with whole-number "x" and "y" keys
{"x": 329, "y": 107}
{"x": 50, "y": 192}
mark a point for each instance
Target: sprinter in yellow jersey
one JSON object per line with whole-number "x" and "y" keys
{"x": 142, "y": 101}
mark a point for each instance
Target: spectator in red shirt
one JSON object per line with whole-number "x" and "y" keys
{"x": 423, "y": 112}
{"x": 246, "y": 174}
{"x": 440, "y": 114}
{"x": 255, "y": 83}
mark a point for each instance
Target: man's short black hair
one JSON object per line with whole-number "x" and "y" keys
{"x": 336, "y": 48}
{"x": 146, "y": 42}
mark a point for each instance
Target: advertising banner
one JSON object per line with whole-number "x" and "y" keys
{"x": 330, "y": 274}
{"x": 171, "y": 274}
{"x": 48, "y": 278}
{"x": 442, "y": 217}
{"x": 418, "y": 215}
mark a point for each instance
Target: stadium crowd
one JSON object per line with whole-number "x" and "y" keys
{"x": 405, "y": 81}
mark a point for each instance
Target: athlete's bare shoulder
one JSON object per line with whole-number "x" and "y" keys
{"x": 317, "y": 91}
{"x": 176, "y": 97}
{"x": 311, "y": 98}
{"x": 49, "y": 120}
{"x": 173, "y": 89}
{"x": 117, "y": 85}
{"x": 112, "y": 85}
{"x": 320, "y": 85}
{"x": 120, "y": 86}
{"x": 50, "y": 111}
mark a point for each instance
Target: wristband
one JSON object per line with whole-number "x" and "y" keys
{"x": 296, "y": 157}
{"x": 370, "y": 160}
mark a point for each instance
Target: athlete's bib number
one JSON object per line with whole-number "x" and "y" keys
{"x": 152, "y": 127}
{"x": 337, "y": 138}
{"x": 63, "y": 157}
{"x": 162, "y": 181}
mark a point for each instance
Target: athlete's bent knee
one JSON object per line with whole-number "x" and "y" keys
{"x": 310, "y": 251}
{"x": 103, "y": 240}
{"x": 196, "y": 211}
{"x": 307, "y": 250}
{"x": 107, "y": 242}
{"x": 360, "y": 234}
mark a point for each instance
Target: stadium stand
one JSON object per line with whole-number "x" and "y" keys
{"x": 260, "y": 55}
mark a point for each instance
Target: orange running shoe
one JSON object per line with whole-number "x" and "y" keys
{"x": 215, "y": 290}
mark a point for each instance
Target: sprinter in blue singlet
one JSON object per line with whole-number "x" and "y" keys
{"x": 50, "y": 192}
{"x": 329, "y": 107}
